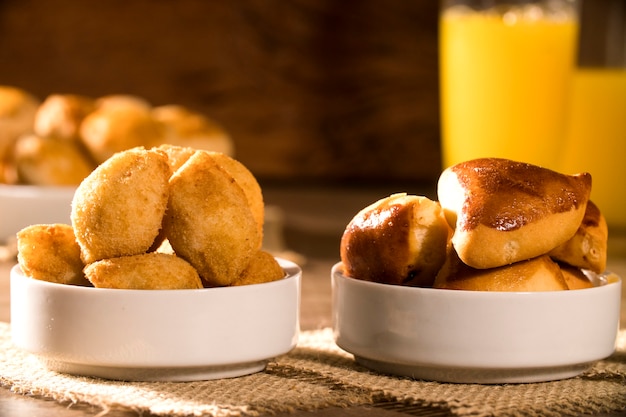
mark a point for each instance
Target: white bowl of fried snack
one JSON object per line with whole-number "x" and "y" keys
{"x": 501, "y": 280}
{"x": 160, "y": 275}
{"x": 47, "y": 147}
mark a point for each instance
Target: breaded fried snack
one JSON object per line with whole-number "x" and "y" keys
{"x": 176, "y": 155}
{"x": 588, "y": 247}
{"x": 262, "y": 268}
{"x": 49, "y": 252}
{"x": 151, "y": 271}
{"x": 188, "y": 128}
{"x": 114, "y": 129}
{"x": 248, "y": 184}
{"x": 118, "y": 209}
{"x": 536, "y": 274}
{"x": 209, "y": 222}
{"x": 401, "y": 239}
{"x": 60, "y": 116}
{"x": 505, "y": 211}
{"x": 49, "y": 161}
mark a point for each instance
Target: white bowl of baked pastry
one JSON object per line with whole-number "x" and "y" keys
{"x": 475, "y": 336}
{"x": 156, "y": 335}
{"x": 23, "y": 205}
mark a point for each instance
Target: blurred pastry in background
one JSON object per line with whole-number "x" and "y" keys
{"x": 122, "y": 101}
{"x": 49, "y": 161}
{"x": 60, "y": 116}
{"x": 17, "y": 112}
{"x": 191, "y": 129}
{"x": 111, "y": 129}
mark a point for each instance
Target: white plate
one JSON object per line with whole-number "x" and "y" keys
{"x": 23, "y": 205}
{"x": 472, "y": 336}
{"x": 156, "y": 335}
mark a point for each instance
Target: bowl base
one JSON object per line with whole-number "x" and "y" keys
{"x": 175, "y": 374}
{"x": 475, "y": 375}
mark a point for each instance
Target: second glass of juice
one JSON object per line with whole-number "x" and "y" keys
{"x": 505, "y": 72}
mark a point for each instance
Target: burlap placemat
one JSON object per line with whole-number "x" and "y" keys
{"x": 317, "y": 374}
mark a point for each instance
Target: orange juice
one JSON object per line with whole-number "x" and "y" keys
{"x": 596, "y": 140}
{"x": 504, "y": 84}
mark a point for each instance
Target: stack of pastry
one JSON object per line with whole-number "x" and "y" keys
{"x": 60, "y": 140}
{"x": 510, "y": 226}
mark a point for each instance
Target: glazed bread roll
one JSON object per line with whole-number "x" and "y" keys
{"x": 587, "y": 248}
{"x": 575, "y": 278}
{"x": 401, "y": 239}
{"x": 505, "y": 211}
{"x": 536, "y": 274}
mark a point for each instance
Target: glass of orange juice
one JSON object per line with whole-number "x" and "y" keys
{"x": 505, "y": 71}
{"x": 596, "y": 135}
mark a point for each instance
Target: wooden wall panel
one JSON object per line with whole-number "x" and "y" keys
{"x": 318, "y": 90}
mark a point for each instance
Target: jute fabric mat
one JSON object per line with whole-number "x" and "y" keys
{"x": 315, "y": 375}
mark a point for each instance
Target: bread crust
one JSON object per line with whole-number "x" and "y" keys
{"x": 505, "y": 211}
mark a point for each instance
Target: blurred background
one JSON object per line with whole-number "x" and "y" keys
{"x": 311, "y": 91}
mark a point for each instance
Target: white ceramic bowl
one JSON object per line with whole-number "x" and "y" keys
{"x": 23, "y": 205}
{"x": 156, "y": 335}
{"x": 471, "y": 336}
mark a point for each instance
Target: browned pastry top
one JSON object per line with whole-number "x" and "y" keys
{"x": 505, "y": 195}
{"x": 388, "y": 223}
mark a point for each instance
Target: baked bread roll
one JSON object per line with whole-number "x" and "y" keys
{"x": 536, "y": 274}
{"x": 575, "y": 278}
{"x": 401, "y": 239}
{"x": 505, "y": 211}
{"x": 587, "y": 248}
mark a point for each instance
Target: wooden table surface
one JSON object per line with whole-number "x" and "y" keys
{"x": 311, "y": 222}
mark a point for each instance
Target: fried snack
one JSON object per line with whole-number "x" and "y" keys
{"x": 151, "y": 271}
{"x": 401, "y": 239}
{"x": 262, "y": 268}
{"x": 176, "y": 155}
{"x": 112, "y": 129}
{"x": 49, "y": 252}
{"x": 191, "y": 129}
{"x": 505, "y": 211}
{"x": 209, "y": 222}
{"x": 60, "y": 116}
{"x": 17, "y": 113}
{"x": 587, "y": 249}
{"x": 575, "y": 278}
{"x": 49, "y": 161}
{"x": 248, "y": 184}
{"x": 536, "y": 274}
{"x": 118, "y": 209}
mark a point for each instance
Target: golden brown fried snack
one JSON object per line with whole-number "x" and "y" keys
{"x": 115, "y": 129}
{"x": 118, "y": 209}
{"x": 50, "y": 161}
{"x": 209, "y": 222}
{"x": 60, "y": 116}
{"x": 49, "y": 252}
{"x": 176, "y": 155}
{"x": 263, "y": 268}
{"x": 151, "y": 271}
{"x": 123, "y": 101}
{"x": 248, "y": 184}
{"x": 187, "y": 128}
{"x": 587, "y": 249}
